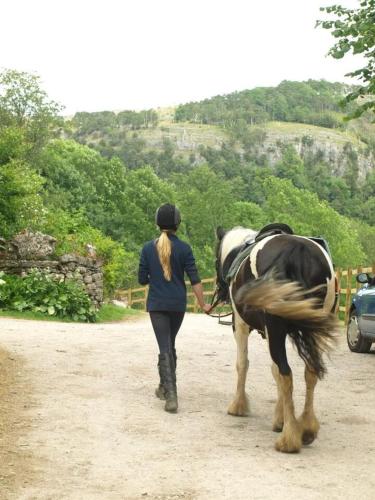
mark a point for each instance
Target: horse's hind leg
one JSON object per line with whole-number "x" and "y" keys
{"x": 290, "y": 440}
{"x": 240, "y": 404}
{"x": 308, "y": 421}
{"x": 278, "y": 419}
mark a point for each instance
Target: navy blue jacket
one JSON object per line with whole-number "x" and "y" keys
{"x": 166, "y": 295}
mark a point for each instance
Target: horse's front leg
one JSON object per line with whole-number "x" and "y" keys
{"x": 240, "y": 404}
{"x": 308, "y": 421}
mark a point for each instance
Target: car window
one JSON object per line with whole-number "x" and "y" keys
{"x": 368, "y": 305}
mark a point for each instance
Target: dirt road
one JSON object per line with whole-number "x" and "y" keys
{"x": 79, "y": 420}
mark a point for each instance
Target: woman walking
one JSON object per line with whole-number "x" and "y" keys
{"x": 162, "y": 265}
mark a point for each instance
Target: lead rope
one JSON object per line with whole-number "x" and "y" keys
{"x": 215, "y": 303}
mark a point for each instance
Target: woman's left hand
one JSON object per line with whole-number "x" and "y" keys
{"x": 206, "y": 308}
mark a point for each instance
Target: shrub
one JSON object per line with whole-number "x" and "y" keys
{"x": 73, "y": 232}
{"x": 39, "y": 292}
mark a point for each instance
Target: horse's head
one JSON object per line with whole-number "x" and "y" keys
{"x": 222, "y": 288}
{"x": 227, "y": 245}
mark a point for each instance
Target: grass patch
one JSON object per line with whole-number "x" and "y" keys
{"x": 323, "y": 134}
{"x": 107, "y": 313}
{"x": 110, "y": 312}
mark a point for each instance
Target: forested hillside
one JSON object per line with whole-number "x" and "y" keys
{"x": 314, "y": 102}
{"x": 232, "y": 160}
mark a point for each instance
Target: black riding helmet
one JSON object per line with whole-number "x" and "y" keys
{"x": 168, "y": 216}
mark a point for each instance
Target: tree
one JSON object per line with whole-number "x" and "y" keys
{"x": 291, "y": 166}
{"x": 119, "y": 202}
{"x": 206, "y": 201}
{"x": 143, "y": 193}
{"x": 309, "y": 216}
{"x": 248, "y": 214}
{"x": 355, "y": 31}
{"x": 24, "y": 105}
{"x": 20, "y": 202}
{"x": 24, "y": 123}
{"x": 71, "y": 171}
{"x": 13, "y": 144}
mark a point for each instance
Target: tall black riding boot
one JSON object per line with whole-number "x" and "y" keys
{"x": 174, "y": 354}
{"x": 160, "y": 391}
{"x": 168, "y": 377}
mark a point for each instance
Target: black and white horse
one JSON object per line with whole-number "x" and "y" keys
{"x": 284, "y": 287}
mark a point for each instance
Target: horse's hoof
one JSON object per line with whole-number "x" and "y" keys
{"x": 308, "y": 437}
{"x": 277, "y": 427}
{"x": 293, "y": 446}
{"x": 310, "y": 428}
{"x": 239, "y": 409}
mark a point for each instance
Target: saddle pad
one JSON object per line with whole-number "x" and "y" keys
{"x": 240, "y": 257}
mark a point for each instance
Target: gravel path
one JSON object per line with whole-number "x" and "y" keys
{"x": 78, "y": 418}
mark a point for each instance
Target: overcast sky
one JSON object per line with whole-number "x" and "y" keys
{"x": 95, "y": 55}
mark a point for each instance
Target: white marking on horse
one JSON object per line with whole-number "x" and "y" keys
{"x": 254, "y": 253}
{"x": 331, "y": 288}
{"x": 238, "y": 235}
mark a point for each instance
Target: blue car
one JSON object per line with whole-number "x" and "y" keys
{"x": 360, "y": 331}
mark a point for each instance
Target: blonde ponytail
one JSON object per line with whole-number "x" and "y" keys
{"x": 164, "y": 249}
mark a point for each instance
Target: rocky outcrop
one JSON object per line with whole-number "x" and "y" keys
{"x": 29, "y": 245}
{"x": 335, "y": 148}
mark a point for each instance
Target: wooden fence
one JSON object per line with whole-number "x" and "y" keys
{"x": 138, "y": 296}
{"x": 346, "y": 279}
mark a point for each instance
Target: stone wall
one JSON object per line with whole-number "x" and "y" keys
{"x": 28, "y": 251}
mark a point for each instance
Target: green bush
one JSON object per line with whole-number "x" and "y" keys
{"x": 73, "y": 233}
{"x": 39, "y": 292}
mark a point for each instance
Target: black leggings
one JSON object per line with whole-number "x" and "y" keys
{"x": 166, "y": 325}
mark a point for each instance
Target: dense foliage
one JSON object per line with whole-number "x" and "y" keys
{"x": 38, "y": 292}
{"x": 354, "y": 30}
{"x": 108, "y": 121}
{"x": 315, "y": 102}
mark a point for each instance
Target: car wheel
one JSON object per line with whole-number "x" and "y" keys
{"x": 356, "y": 342}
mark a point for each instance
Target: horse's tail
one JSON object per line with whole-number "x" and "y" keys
{"x": 312, "y": 328}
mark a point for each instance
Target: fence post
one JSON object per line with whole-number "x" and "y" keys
{"x": 195, "y": 309}
{"x": 358, "y": 285}
{"x": 129, "y": 297}
{"x": 348, "y": 294}
{"x": 338, "y": 278}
